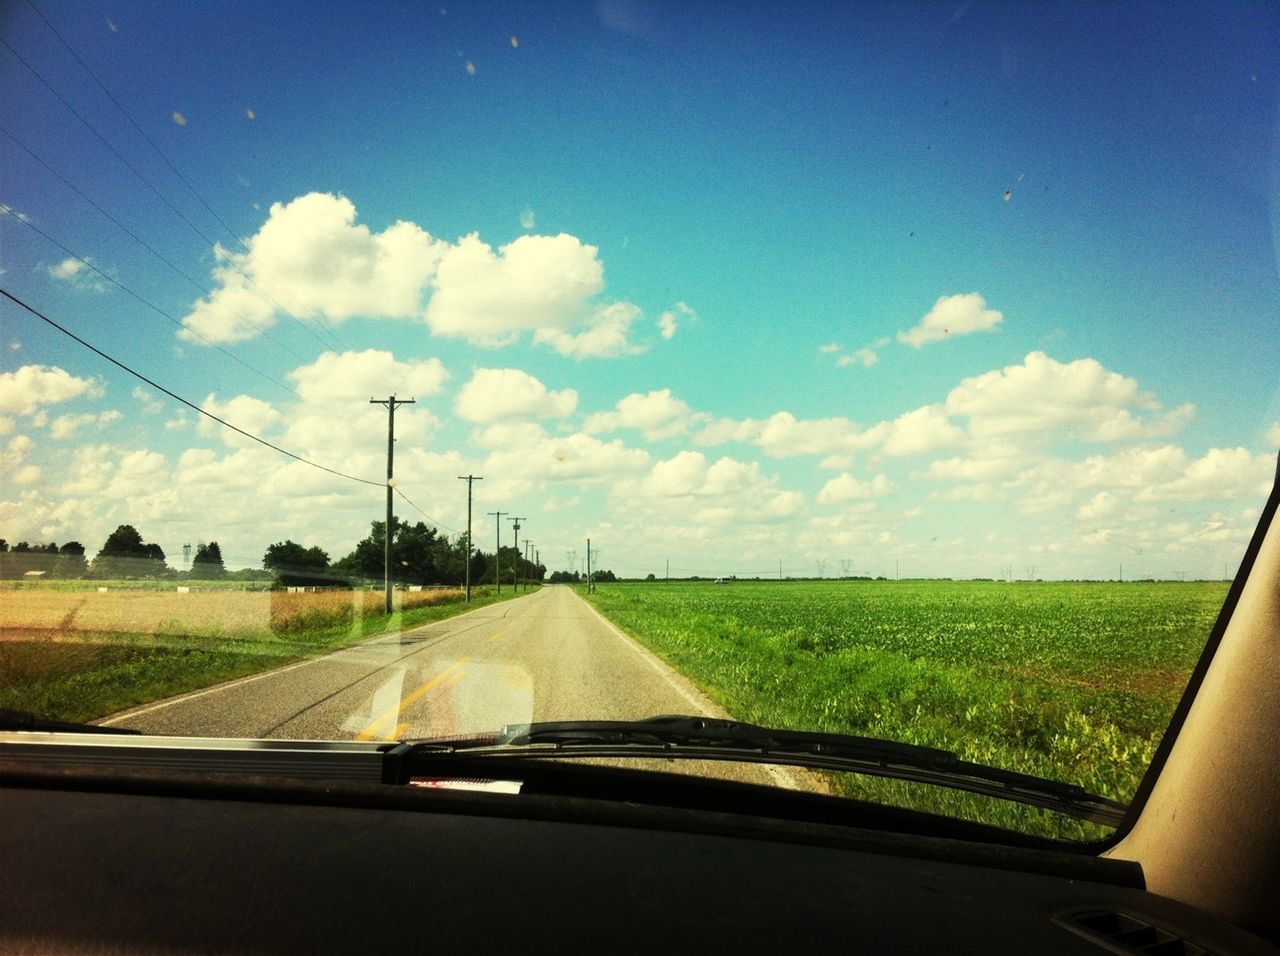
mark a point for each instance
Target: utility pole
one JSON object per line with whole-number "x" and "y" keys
{"x": 469, "y": 479}
{"x": 528, "y": 558}
{"x": 391, "y": 402}
{"x": 668, "y": 569}
{"x": 588, "y": 565}
{"x": 573, "y": 561}
{"x": 515, "y": 577}
{"x": 497, "y": 548}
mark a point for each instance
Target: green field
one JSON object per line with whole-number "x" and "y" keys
{"x": 1073, "y": 681}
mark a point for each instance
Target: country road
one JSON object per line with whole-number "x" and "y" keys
{"x": 545, "y": 656}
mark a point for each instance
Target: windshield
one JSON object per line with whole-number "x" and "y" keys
{"x": 904, "y": 371}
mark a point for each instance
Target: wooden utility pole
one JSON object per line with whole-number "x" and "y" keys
{"x": 497, "y": 548}
{"x": 515, "y": 577}
{"x": 391, "y": 402}
{"x": 469, "y": 479}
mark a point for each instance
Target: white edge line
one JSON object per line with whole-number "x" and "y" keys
{"x": 784, "y": 779}
{"x": 250, "y": 678}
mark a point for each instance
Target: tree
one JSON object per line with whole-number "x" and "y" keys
{"x": 296, "y": 566}
{"x": 126, "y": 555}
{"x": 71, "y": 562}
{"x": 208, "y": 562}
{"x": 419, "y": 555}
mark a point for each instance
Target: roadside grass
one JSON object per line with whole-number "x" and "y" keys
{"x": 1072, "y": 681}
{"x": 55, "y": 667}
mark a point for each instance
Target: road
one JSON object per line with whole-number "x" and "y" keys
{"x": 545, "y": 656}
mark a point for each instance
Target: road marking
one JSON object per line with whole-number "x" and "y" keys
{"x": 372, "y": 730}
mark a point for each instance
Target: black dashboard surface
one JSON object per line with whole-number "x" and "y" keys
{"x": 112, "y": 871}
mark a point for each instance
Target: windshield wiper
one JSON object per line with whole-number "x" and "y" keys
{"x": 701, "y": 738}
{"x": 24, "y": 720}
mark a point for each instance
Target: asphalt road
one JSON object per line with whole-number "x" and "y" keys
{"x": 545, "y": 656}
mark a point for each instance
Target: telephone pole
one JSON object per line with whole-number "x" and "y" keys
{"x": 497, "y": 548}
{"x": 391, "y": 402}
{"x": 515, "y": 577}
{"x": 588, "y": 565}
{"x": 469, "y": 479}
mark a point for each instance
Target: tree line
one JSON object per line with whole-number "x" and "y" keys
{"x": 420, "y": 555}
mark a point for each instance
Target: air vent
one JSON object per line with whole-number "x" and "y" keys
{"x": 1129, "y": 934}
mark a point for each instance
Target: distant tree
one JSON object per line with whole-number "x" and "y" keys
{"x": 651, "y": 576}
{"x": 71, "y": 562}
{"x": 296, "y": 566}
{"x": 605, "y": 576}
{"x": 125, "y": 555}
{"x": 208, "y": 562}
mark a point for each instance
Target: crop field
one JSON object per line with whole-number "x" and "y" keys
{"x": 78, "y": 654}
{"x": 1071, "y": 681}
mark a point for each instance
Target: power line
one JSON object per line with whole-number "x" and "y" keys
{"x": 132, "y": 235}
{"x": 174, "y": 395}
{"x": 435, "y": 521}
{"x": 177, "y": 172}
{"x": 133, "y": 169}
{"x": 147, "y": 302}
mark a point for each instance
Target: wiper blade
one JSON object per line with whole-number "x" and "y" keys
{"x": 710, "y": 739}
{"x": 24, "y": 720}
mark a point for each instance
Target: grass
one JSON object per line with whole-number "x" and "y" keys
{"x": 78, "y": 656}
{"x": 1071, "y": 681}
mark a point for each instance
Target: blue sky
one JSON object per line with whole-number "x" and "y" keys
{"x": 727, "y": 218}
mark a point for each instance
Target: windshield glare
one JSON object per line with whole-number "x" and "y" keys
{"x": 904, "y": 371}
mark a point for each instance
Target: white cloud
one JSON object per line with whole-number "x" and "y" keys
{"x": 1273, "y": 435}
{"x": 605, "y": 335}
{"x": 670, "y": 320}
{"x": 846, "y": 487}
{"x": 922, "y": 430}
{"x": 493, "y": 394}
{"x": 150, "y": 404}
{"x": 687, "y": 491}
{"x": 65, "y": 426}
{"x": 657, "y": 414}
{"x": 1221, "y": 474}
{"x": 245, "y": 412}
{"x": 349, "y": 378}
{"x": 829, "y": 348}
{"x": 79, "y": 273}
{"x": 952, "y": 315}
{"x": 1042, "y": 394}
{"x": 527, "y": 218}
{"x": 864, "y": 357}
{"x": 15, "y": 454}
{"x": 24, "y": 391}
{"x": 310, "y": 258}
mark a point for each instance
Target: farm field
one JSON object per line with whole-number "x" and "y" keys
{"x": 79, "y": 654}
{"x": 1071, "y": 681}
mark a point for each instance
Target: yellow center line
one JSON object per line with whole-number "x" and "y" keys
{"x": 372, "y": 730}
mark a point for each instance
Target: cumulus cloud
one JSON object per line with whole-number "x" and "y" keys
{"x": 1042, "y": 394}
{"x": 348, "y": 378}
{"x": 250, "y": 414}
{"x": 311, "y": 258}
{"x": 79, "y": 274}
{"x": 688, "y": 489}
{"x": 150, "y": 404}
{"x": 846, "y": 487}
{"x": 605, "y": 335}
{"x": 922, "y": 430}
{"x": 952, "y": 315}
{"x": 24, "y": 391}
{"x": 493, "y": 394}
{"x": 670, "y": 320}
{"x": 65, "y": 426}
{"x": 657, "y": 414}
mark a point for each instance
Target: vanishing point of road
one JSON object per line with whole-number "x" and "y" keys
{"x": 544, "y": 656}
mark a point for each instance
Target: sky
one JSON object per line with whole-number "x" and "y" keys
{"x": 967, "y": 289}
